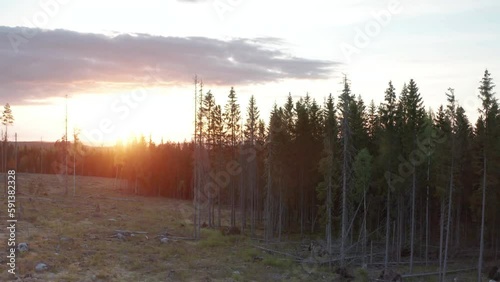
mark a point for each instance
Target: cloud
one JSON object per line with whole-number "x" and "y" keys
{"x": 54, "y": 62}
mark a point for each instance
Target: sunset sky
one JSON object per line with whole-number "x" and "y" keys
{"x": 128, "y": 66}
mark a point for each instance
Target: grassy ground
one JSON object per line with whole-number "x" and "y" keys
{"x": 74, "y": 237}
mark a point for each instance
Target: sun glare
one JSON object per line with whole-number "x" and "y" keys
{"x": 106, "y": 119}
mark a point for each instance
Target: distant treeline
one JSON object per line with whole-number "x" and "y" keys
{"x": 155, "y": 169}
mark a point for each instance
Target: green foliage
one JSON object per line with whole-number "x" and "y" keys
{"x": 276, "y": 261}
{"x": 361, "y": 275}
{"x": 362, "y": 173}
{"x": 213, "y": 238}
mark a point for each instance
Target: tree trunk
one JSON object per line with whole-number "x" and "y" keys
{"x": 481, "y": 240}
{"x": 269, "y": 224}
{"x": 388, "y": 226}
{"x": 329, "y": 202}
{"x": 301, "y": 202}
{"x": 16, "y": 152}
{"x": 412, "y": 234}
{"x": 457, "y": 227}
{"x": 441, "y": 235}
{"x": 450, "y": 202}
{"x": 218, "y": 206}
{"x": 344, "y": 191}
{"x": 400, "y": 228}
{"x": 242, "y": 196}
{"x": 427, "y": 233}
{"x": 280, "y": 219}
{"x": 364, "y": 229}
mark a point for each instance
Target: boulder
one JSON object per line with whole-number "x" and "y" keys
{"x": 40, "y": 267}
{"x": 23, "y": 247}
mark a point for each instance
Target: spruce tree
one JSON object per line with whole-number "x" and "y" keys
{"x": 232, "y": 117}
{"x": 251, "y": 131}
{"x": 487, "y": 112}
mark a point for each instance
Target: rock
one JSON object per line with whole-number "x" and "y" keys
{"x": 164, "y": 240}
{"x": 120, "y": 236}
{"x": 23, "y": 247}
{"x": 41, "y": 267}
{"x": 390, "y": 275}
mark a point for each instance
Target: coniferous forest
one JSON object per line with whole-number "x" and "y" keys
{"x": 417, "y": 183}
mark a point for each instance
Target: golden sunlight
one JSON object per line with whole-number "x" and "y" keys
{"x": 105, "y": 119}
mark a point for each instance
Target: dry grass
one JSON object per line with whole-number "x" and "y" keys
{"x": 75, "y": 239}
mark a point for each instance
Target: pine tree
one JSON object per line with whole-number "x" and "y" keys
{"x": 451, "y": 117}
{"x": 329, "y": 168}
{"x": 232, "y": 124}
{"x": 388, "y": 123}
{"x": 302, "y": 142}
{"x": 489, "y": 104}
{"x": 218, "y": 152}
{"x": 362, "y": 172}
{"x": 251, "y": 128}
{"x": 345, "y": 101}
{"x": 272, "y": 165}
{"x": 465, "y": 179}
{"x": 413, "y": 123}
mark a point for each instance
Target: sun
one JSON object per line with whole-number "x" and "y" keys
{"x": 110, "y": 118}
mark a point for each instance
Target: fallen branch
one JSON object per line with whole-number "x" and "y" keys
{"x": 181, "y": 238}
{"x": 338, "y": 259}
{"x": 278, "y": 252}
{"x": 437, "y": 273}
{"x": 130, "y": 232}
{"x": 407, "y": 262}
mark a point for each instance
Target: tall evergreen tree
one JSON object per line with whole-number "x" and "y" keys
{"x": 329, "y": 168}
{"x": 345, "y": 101}
{"x": 218, "y": 148}
{"x": 207, "y": 112}
{"x": 387, "y": 152}
{"x": 232, "y": 117}
{"x": 362, "y": 172}
{"x": 451, "y": 117}
{"x": 251, "y": 132}
{"x": 413, "y": 121}
{"x": 489, "y": 107}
